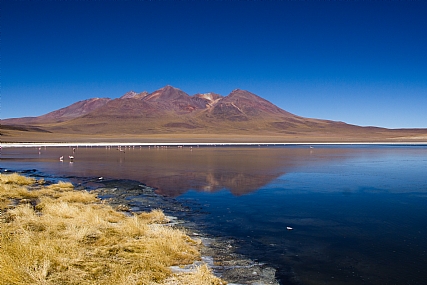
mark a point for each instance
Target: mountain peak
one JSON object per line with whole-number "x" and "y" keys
{"x": 166, "y": 93}
{"x": 243, "y": 94}
{"x": 169, "y": 87}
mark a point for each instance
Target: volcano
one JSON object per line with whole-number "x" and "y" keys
{"x": 171, "y": 111}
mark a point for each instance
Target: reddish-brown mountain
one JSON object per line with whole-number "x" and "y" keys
{"x": 172, "y": 111}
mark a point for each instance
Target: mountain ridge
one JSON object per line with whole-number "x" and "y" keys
{"x": 170, "y": 110}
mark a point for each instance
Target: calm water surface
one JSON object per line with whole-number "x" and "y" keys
{"x": 358, "y": 213}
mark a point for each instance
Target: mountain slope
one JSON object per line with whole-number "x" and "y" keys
{"x": 75, "y": 110}
{"x": 241, "y": 105}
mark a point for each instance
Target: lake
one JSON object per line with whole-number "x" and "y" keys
{"x": 358, "y": 213}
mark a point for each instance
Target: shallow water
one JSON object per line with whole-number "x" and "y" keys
{"x": 358, "y": 213}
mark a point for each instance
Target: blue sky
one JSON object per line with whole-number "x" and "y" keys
{"x": 360, "y": 62}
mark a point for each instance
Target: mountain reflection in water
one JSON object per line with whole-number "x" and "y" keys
{"x": 172, "y": 171}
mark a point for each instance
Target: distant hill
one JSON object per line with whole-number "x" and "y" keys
{"x": 172, "y": 111}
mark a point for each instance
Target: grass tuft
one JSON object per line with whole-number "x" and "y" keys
{"x": 17, "y": 179}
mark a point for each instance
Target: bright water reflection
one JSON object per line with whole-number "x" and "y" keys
{"x": 358, "y": 213}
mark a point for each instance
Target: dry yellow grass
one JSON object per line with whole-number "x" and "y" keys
{"x": 56, "y": 235}
{"x": 16, "y": 179}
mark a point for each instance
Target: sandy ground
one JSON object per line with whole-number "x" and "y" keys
{"x": 390, "y": 136}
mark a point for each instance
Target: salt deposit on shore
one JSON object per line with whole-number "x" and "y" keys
{"x": 189, "y": 144}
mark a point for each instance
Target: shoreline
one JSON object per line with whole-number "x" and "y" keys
{"x": 38, "y": 215}
{"x": 133, "y": 197}
{"x": 218, "y": 252}
{"x": 202, "y": 144}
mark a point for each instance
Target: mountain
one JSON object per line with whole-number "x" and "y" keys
{"x": 171, "y": 111}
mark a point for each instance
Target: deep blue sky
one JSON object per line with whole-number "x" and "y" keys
{"x": 360, "y": 62}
